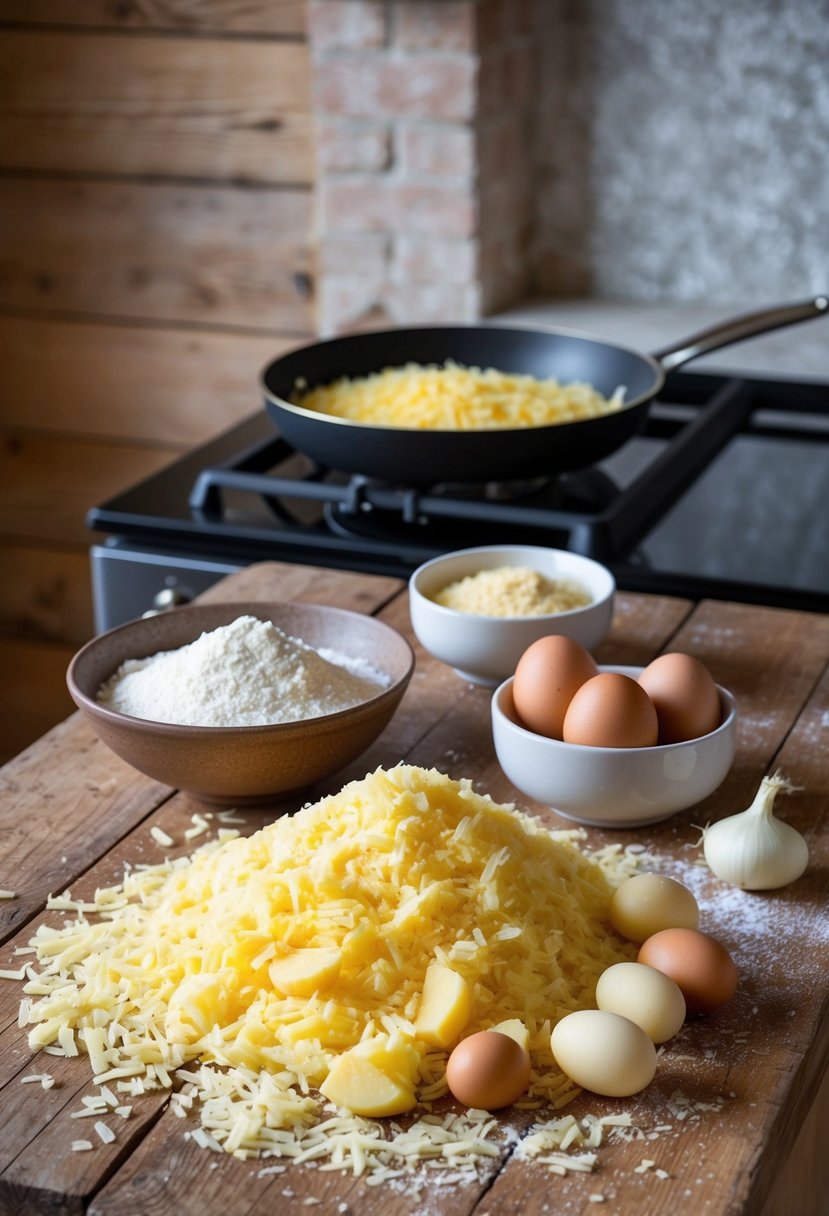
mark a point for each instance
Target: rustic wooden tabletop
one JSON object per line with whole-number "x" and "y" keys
{"x": 731, "y": 1092}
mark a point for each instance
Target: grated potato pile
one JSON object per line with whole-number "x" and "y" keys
{"x": 395, "y": 871}
{"x": 455, "y": 398}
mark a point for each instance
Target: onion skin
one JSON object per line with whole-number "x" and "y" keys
{"x": 754, "y": 850}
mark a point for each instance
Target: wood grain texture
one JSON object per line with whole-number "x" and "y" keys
{"x": 48, "y": 839}
{"x": 102, "y": 104}
{"x": 45, "y": 615}
{"x": 265, "y": 581}
{"x": 36, "y": 1160}
{"x": 165, "y": 387}
{"x": 263, "y": 17}
{"x": 50, "y": 483}
{"x": 45, "y": 594}
{"x": 144, "y": 105}
{"x": 203, "y": 254}
{"x": 803, "y": 1184}
{"x": 746, "y": 1074}
{"x": 33, "y": 694}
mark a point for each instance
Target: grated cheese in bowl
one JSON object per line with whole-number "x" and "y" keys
{"x": 512, "y": 591}
{"x": 196, "y": 971}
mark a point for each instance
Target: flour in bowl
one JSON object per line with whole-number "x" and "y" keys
{"x": 247, "y": 673}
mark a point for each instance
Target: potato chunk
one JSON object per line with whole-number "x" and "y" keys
{"x": 356, "y": 1083}
{"x": 516, "y": 1029}
{"x": 306, "y": 971}
{"x": 445, "y": 1006}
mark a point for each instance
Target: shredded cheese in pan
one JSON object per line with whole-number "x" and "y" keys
{"x": 455, "y": 398}
{"x": 170, "y": 983}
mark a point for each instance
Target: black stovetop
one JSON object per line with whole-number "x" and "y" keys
{"x": 723, "y": 494}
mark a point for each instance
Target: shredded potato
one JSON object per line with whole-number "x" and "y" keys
{"x": 455, "y": 398}
{"x": 178, "y": 964}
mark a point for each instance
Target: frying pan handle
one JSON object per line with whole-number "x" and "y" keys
{"x": 746, "y": 326}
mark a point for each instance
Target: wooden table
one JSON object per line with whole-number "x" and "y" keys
{"x": 71, "y": 814}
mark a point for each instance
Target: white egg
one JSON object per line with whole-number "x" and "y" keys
{"x": 646, "y": 903}
{"x": 604, "y": 1052}
{"x": 648, "y": 997}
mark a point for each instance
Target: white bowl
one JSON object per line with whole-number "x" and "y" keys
{"x": 619, "y": 787}
{"x": 486, "y": 649}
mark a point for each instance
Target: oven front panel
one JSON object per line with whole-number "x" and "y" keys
{"x": 128, "y": 581}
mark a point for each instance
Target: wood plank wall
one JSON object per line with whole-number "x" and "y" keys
{"x": 155, "y": 220}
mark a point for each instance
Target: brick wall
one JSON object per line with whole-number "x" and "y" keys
{"x": 424, "y": 140}
{"x": 473, "y": 152}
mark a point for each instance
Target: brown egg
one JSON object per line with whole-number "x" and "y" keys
{"x": 685, "y": 695}
{"x": 699, "y": 965}
{"x": 611, "y": 710}
{"x": 549, "y": 672}
{"x": 488, "y": 1070}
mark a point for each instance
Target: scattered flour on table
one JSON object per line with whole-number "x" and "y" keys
{"x": 761, "y": 924}
{"x": 247, "y": 673}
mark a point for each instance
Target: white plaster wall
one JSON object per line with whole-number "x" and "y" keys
{"x": 683, "y": 149}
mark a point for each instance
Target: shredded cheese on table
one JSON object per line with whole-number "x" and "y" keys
{"x": 455, "y": 398}
{"x": 172, "y": 983}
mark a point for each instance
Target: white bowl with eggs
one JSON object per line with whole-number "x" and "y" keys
{"x": 485, "y": 648}
{"x": 618, "y": 787}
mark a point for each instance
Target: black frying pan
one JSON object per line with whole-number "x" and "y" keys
{"x": 426, "y": 457}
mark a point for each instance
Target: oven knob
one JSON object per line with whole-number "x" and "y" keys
{"x": 169, "y": 598}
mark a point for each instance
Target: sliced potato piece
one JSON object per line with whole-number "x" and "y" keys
{"x": 305, "y": 971}
{"x": 394, "y": 1054}
{"x": 357, "y": 1084}
{"x": 360, "y": 947}
{"x": 445, "y": 1006}
{"x": 516, "y": 1029}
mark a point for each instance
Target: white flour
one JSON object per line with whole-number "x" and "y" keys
{"x": 248, "y": 673}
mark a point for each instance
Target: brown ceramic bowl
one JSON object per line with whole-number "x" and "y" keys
{"x": 242, "y": 765}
